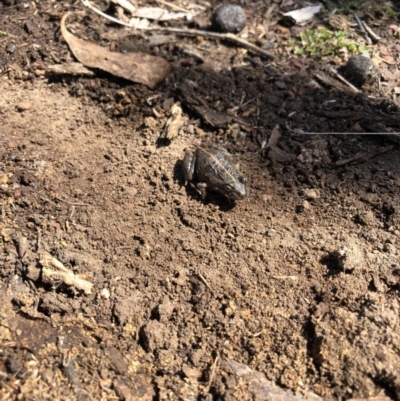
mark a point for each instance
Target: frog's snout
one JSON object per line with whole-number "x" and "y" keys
{"x": 240, "y": 191}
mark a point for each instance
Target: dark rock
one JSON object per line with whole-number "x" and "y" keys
{"x": 229, "y": 18}
{"x": 360, "y": 71}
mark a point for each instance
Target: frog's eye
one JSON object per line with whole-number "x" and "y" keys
{"x": 228, "y": 187}
{"x": 243, "y": 179}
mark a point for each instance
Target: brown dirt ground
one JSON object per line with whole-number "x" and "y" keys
{"x": 184, "y": 289}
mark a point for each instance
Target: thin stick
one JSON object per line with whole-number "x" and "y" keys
{"x": 375, "y": 38}
{"x": 212, "y": 373}
{"x": 39, "y": 238}
{"x": 188, "y": 32}
{"x": 362, "y": 29}
{"x": 72, "y": 203}
{"x": 215, "y": 35}
{"x": 345, "y": 81}
{"x": 205, "y": 282}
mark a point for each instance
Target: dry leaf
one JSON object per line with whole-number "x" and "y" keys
{"x": 136, "y": 67}
{"x": 302, "y": 15}
{"x": 174, "y": 123}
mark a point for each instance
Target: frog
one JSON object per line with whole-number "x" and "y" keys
{"x": 210, "y": 166}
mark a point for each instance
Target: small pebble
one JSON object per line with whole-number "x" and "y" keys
{"x": 105, "y": 293}
{"x": 22, "y": 246}
{"x": 311, "y": 194}
{"x": 229, "y": 18}
{"x": 360, "y": 70}
{"x": 10, "y": 48}
{"x": 40, "y": 73}
{"x": 24, "y": 106}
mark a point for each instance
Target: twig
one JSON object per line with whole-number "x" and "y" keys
{"x": 39, "y": 238}
{"x": 363, "y": 31}
{"x": 55, "y": 273}
{"x": 215, "y": 35}
{"x": 345, "y": 81}
{"x": 212, "y": 373}
{"x": 375, "y": 38}
{"x": 205, "y": 282}
{"x": 188, "y": 32}
{"x": 362, "y": 156}
{"x": 294, "y": 278}
{"x": 72, "y": 203}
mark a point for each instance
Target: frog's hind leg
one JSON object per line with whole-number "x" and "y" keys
{"x": 189, "y": 163}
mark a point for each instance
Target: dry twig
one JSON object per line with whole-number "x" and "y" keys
{"x": 205, "y": 282}
{"x": 363, "y": 156}
{"x": 375, "y": 38}
{"x": 188, "y": 32}
{"x": 362, "y": 29}
{"x": 212, "y": 373}
{"x": 55, "y": 273}
{"x": 345, "y": 81}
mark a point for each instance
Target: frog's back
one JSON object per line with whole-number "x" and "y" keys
{"x": 215, "y": 162}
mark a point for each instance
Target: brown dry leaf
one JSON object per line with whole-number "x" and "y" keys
{"x": 136, "y": 67}
{"x": 174, "y": 123}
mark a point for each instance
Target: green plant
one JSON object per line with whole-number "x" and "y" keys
{"x": 390, "y": 12}
{"x": 321, "y": 42}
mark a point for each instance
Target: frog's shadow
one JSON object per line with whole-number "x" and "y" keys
{"x": 224, "y": 204}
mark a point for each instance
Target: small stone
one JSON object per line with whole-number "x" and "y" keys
{"x": 360, "y": 70}
{"x": 22, "y": 246}
{"x": 10, "y": 48}
{"x": 229, "y": 18}
{"x": 4, "y": 178}
{"x": 40, "y": 73}
{"x": 24, "y": 106}
{"x": 47, "y": 375}
{"x": 300, "y": 208}
{"x": 365, "y": 218}
{"x": 349, "y": 258}
{"x": 105, "y": 293}
{"x": 393, "y": 27}
{"x": 11, "y": 145}
{"x": 389, "y": 248}
{"x": 191, "y": 372}
{"x": 311, "y": 194}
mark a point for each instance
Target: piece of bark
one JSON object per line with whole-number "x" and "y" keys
{"x": 137, "y": 67}
{"x": 212, "y": 117}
